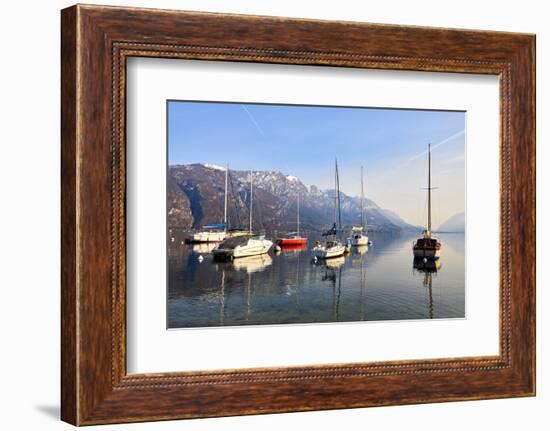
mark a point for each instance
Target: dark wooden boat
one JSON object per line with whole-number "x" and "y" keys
{"x": 428, "y": 247}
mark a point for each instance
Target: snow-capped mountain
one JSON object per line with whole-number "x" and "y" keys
{"x": 199, "y": 198}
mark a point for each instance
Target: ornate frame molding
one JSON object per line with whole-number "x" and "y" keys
{"x": 96, "y": 41}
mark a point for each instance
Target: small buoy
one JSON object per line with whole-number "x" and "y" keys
{"x": 425, "y": 260}
{"x": 277, "y": 248}
{"x": 369, "y": 243}
{"x": 172, "y": 239}
{"x": 314, "y": 258}
{"x": 201, "y": 258}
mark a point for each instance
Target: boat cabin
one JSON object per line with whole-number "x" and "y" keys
{"x": 427, "y": 243}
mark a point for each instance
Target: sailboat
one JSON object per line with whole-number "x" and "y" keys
{"x": 358, "y": 238}
{"x": 332, "y": 247}
{"x": 428, "y": 247}
{"x": 214, "y": 232}
{"x": 243, "y": 245}
{"x": 294, "y": 238}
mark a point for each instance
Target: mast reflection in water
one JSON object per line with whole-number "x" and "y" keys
{"x": 429, "y": 268}
{"x": 370, "y": 284}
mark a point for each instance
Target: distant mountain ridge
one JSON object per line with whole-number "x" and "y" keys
{"x": 196, "y": 195}
{"x": 456, "y": 223}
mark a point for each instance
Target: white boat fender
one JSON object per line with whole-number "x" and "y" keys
{"x": 277, "y": 248}
{"x": 201, "y": 258}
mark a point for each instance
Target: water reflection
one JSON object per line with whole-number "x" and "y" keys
{"x": 204, "y": 248}
{"x": 360, "y": 249}
{"x": 252, "y": 264}
{"x": 428, "y": 267}
{"x": 335, "y": 262}
{"x": 293, "y": 248}
{"x": 371, "y": 283}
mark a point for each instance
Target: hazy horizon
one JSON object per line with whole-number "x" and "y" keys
{"x": 303, "y": 141}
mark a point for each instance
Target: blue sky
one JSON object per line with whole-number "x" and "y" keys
{"x": 304, "y": 140}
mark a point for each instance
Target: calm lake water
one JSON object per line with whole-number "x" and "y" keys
{"x": 378, "y": 283}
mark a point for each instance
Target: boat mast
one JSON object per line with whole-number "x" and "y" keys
{"x": 298, "y": 216}
{"x": 250, "y": 222}
{"x": 429, "y": 230}
{"x": 362, "y": 197}
{"x": 225, "y": 198}
{"x": 335, "y": 195}
{"x": 338, "y": 195}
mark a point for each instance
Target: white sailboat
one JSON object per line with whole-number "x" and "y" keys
{"x": 214, "y": 232}
{"x": 332, "y": 247}
{"x": 210, "y": 233}
{"x": 244, "y": 245}
{"x": 358, "y": 238}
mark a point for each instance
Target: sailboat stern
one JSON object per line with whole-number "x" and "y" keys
{"x": 428, "y": 248}
{"x": 358, "y": 238}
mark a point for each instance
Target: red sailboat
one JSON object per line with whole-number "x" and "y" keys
{"x": 293, "y": 238}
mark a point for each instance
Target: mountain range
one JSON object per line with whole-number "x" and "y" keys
{"x": 195, "y": 194}
{"x": 455, "y": 223}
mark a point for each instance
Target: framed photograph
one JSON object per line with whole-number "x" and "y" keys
{"x": 264, "y": 215}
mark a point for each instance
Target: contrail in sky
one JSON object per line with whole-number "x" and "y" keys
{"x": 253, "y": 121}
{"x": 444, "y": 141}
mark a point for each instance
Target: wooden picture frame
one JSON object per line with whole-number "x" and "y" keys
{"x": 95, "y": 43}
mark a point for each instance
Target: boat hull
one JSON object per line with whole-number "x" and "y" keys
{"x": 297, "y": 247}
{"x": 253, "y": 248}
{"x": 201, "y": 237}
{"x": 291, "y": 241}
{"x": 322, "y": 252}
{"x": 359, "y": 240}
{"x": 427, "y": 253}
{"x": 427, "y": 248}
